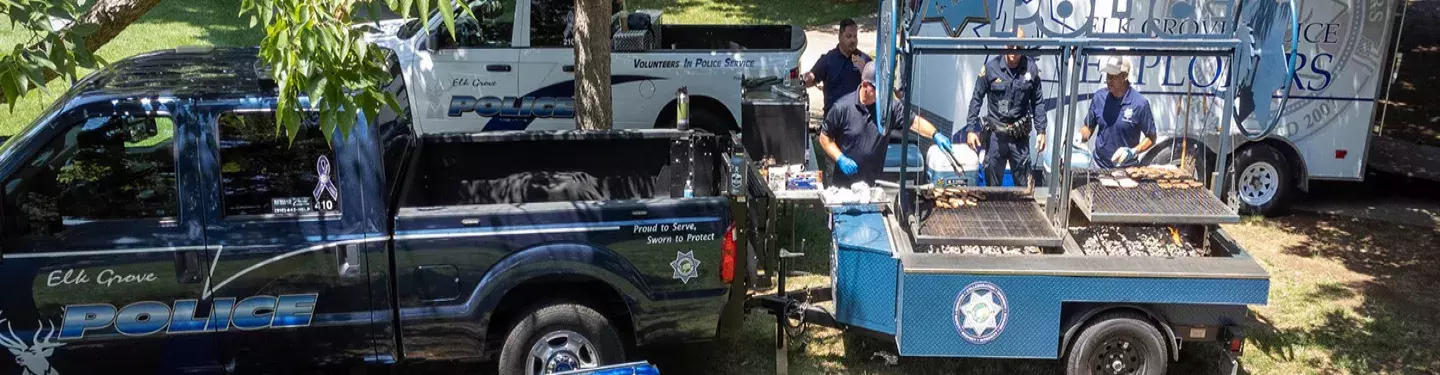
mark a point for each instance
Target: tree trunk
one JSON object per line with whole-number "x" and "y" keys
{"x": 592, "y": 64}
{"x": 113, "y": 16}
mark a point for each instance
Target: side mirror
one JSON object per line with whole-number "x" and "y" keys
{"x": 139, "y": 128}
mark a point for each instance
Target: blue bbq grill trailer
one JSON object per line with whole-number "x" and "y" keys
{"x": 1109, "y": 278}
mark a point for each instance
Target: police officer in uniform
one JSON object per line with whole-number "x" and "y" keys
{"x": 1010, "y": 84}
{"x": 1119, "y": 117}
{"x": 852, "y": 138}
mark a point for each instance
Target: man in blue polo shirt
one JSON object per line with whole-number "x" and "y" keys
{"x": 852, "y": 138}
{"x": 839, "y": 69}
{"x": 1119, "y": 117}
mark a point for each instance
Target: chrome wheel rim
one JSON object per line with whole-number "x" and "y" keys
{"x": 1259, "y": 183}
{"x": 561, "y": 351}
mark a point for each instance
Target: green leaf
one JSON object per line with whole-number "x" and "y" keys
{"x": 282, "y": 40}
{"x": 317, "y": 88}
{"x": 447, "y": 13}
{"x": 21, "y": 83}
{"x": 12, "y": 92}
{"x": 406, "y": 6}
{"x": 253, "y": 20}
{"x": 425, "y": 13}
{"x": 44, "y": 62}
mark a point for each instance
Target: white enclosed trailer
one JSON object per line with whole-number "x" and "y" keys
{"x": 1317, "y": 128}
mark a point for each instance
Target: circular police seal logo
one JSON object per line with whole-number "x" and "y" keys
{"x": 981, "y": 312}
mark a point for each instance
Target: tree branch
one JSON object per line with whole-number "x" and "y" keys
{"x": 112, "y": 17}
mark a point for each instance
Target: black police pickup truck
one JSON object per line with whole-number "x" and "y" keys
{"x": 155, "y": 221}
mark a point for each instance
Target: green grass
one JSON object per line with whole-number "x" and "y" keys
{"x": 170, "y": 24}
{"x": 793, "y": 12}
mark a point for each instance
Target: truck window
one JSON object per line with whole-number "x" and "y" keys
{"x": 104, "y": 168}
{"x": 551, "y": 23}
{"x": 492, "y": 26}
{"x": 263, "y": 173}
{"x": 396, "y": 129}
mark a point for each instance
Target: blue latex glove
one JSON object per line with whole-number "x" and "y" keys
{"x": 846, "y": 165}
{"x": 1122, "y": 155}
{"x": 944, "y": 143}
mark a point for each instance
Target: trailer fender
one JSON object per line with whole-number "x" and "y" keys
{"x": 1091, "y": 310}
{"x": 573, "y": 262}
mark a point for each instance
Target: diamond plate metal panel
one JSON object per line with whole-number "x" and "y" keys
{"x": 866, "y": 272}
{"x": 865, "y": 290}
{"x": 928, "y": 317}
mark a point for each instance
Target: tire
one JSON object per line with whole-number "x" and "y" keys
{"x": 1123, "y": 340}
{"x": 1262, "y": 181}
{"x": 580, "y": 337}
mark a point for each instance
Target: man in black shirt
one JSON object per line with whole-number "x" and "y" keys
{"x": 853, "y": 139}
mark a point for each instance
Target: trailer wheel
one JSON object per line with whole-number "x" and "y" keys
{"x": 1263, "y": 181}
{"x": 557, "y": 337}
{"x": 1118, "y": 343}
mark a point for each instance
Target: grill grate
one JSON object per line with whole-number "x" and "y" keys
{"x": 1148, "y": 203}
{"x": 1003, "y": 218}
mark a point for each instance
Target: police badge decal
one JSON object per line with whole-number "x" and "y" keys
{"x": 981, "y": 312}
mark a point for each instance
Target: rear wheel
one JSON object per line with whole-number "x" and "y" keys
{"x": 1118, "y": 343}
{"x": 1263, "y": 182}
{"x": 555, "y": 337}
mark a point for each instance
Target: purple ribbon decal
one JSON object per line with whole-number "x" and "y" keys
{"x": 322, "y": 169}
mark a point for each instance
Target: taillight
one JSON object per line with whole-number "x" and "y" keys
{"x": 727, "y": 255}
{"x": 1234, "y": 339}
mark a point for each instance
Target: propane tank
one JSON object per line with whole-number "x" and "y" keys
{"x": 682, "y": 109}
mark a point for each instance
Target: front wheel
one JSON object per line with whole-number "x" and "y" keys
{"x": 1118, "y": 343}
{"x": 558, "y": 337}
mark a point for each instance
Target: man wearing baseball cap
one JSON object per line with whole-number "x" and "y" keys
{"x": 851, "y": 136}
{"x": 1119, "y": 117}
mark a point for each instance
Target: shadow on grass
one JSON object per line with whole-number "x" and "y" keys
{"x": 220, "y": 20}
{"x": 1393, "y": 330}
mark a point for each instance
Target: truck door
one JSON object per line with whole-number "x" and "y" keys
{"x": 286, "y": 232}
{"x": 101, "y": 238}
{"x": 471, "y": 80}
{"x": 547, "y": 67}
{"x": 547, "y": 73}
